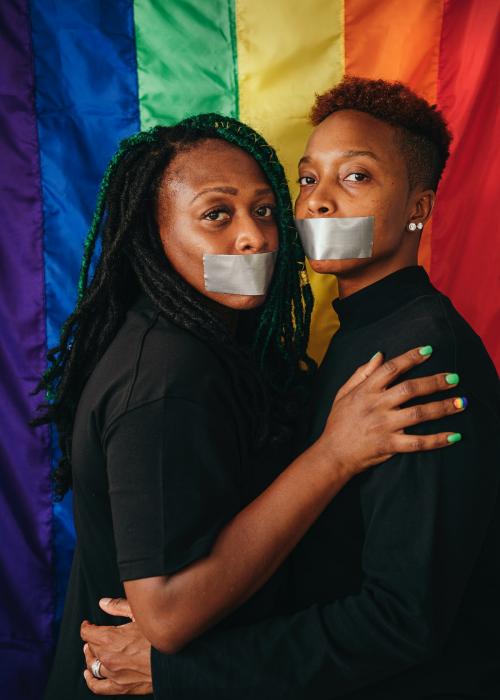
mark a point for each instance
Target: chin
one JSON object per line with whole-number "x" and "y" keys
{"x": 240, "y": 302}
{"x": 338, "y": 267}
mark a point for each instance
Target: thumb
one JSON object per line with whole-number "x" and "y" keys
{"x": 362, "y": 373}
{"x": 116, "y": 606}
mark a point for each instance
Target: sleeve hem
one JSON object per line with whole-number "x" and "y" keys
{"x": 160, "y": 674}
{"x": 146, "y": 568}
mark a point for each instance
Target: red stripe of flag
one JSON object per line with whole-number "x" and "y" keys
{"x": 465, "y": 257}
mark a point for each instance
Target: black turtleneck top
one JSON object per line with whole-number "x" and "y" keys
{"x": 395, "y": 591}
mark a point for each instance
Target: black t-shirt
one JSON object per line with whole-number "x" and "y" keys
{"x": 161, "y": 461}
{"x": 396, "y": 587}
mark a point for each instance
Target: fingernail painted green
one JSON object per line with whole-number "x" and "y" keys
{"x": 455, "y": 437}
{"x": 426, "y": 350}
{"x": 452, "y": 378}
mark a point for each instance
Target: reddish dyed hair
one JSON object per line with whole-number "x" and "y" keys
{"x": 421, "y": 130}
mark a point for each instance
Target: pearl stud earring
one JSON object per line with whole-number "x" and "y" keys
{"x": 412, "y": 226}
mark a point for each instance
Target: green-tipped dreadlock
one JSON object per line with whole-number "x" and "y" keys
{"x": 132, "y": 261}
{"x": 289, "y": 269}
{"x": 90, "y": 241}
{"x": 286, "y": 314}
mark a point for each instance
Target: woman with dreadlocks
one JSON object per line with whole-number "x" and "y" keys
{"x": 175, "y": 386}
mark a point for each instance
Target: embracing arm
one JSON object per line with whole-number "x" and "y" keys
{"x": 172, "y": 610}
{"x": 364, "y": 429}
{"x": 426, "y": 518}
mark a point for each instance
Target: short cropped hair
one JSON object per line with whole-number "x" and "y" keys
{"x": 421, "y": 130}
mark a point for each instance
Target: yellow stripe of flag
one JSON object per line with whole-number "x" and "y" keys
{"x": 287, "y": 52}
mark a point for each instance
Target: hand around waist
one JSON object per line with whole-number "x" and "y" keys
{"x": 123, "y": 652}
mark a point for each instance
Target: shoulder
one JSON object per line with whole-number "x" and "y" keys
{"x": 172, "y": 361}
{"x": 433, "y": 320}
{"x": 152, "y": 358}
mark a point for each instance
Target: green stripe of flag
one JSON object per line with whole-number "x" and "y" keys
{"x": 186, "y": 59}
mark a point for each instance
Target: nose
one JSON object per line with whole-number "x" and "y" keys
{"x": 321, "y": 202}
{"x": 251, "y": 238}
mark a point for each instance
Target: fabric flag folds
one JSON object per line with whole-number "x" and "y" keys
{"x": 26, "y": 585}
{"x": 77, "y": 77}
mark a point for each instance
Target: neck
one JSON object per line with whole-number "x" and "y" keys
{"x": 353, "y": 281}
{"x": 382, "y": 298}
{"x": 227, "y": 315}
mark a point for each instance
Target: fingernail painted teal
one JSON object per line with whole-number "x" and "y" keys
{"x": 452, "y": 378}
{"x": 426, "y": 350}
{"x": 454, "y": 437}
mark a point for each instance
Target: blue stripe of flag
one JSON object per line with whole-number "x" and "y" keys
{"x": 86, "y": 102}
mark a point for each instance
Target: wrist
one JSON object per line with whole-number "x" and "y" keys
{"x": 328, "y": 459}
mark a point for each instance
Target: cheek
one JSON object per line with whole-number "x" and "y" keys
{"x": 300, "y": 209}
{"x": 389, "y": 224}
{"x": 184, "y": 250}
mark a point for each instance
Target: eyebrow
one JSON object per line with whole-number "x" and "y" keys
{"x": 345, "y": 154}
{"x": 350, "y": 154}
{"x": 230, "y": 190}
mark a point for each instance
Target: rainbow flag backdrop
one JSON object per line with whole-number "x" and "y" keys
{"x": 76, "y": 77}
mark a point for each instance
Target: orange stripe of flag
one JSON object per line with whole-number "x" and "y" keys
{"x": 396, "y": 40}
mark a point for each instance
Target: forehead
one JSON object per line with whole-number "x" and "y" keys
{"x": 213, "y": 160}
{"x": 350, "y": 130}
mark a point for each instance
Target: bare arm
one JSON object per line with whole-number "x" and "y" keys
{"x": 365, "y": 428}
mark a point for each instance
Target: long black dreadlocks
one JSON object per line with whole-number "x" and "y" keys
{"x": 268, "y": 366}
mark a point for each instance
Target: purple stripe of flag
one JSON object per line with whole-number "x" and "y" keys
{"x": 26, "y": 586}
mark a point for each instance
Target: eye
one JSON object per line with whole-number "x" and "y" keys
{"x": 306, "y": 180}
{"x": 217, "y": 215}
{"x": 356, "y": 177}
{"x": 265, "y": 211}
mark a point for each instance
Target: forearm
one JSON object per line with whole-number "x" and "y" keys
{"x": 323, "y": 652}
{"x": 413, "y": 567}
{"x": 173, "y": 610}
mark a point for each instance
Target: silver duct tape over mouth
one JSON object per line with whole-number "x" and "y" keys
{"x": 337, "y": 238}
{"x": 248, "y": 274}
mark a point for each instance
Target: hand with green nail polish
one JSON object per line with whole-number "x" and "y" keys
{"x": 372, "y": 404}
{"x": 426, "y": 350}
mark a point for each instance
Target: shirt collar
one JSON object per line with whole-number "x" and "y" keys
{"x": 382, "y": 298}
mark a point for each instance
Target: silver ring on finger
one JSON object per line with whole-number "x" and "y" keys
{"x": 96, "y": 669}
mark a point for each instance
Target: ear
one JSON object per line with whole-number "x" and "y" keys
{"x": 422, "y": 206}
